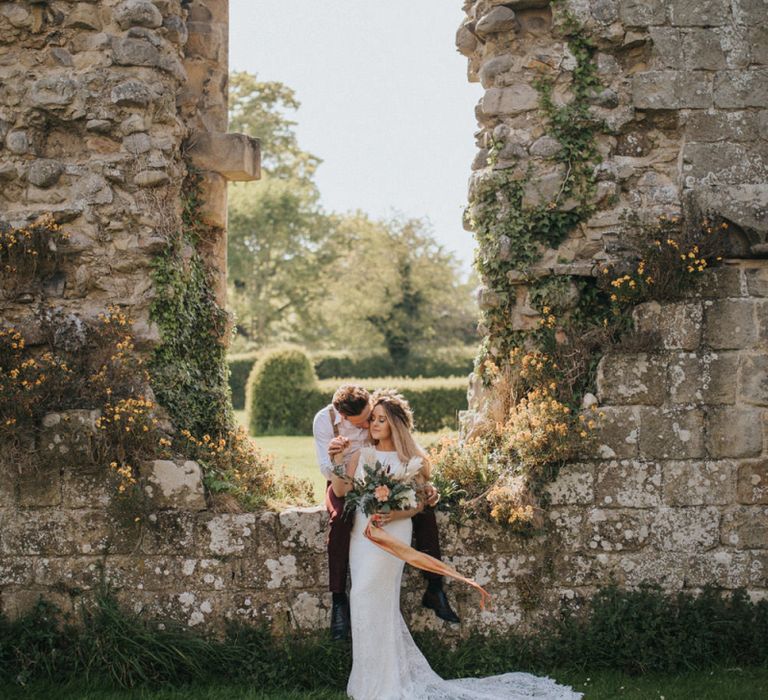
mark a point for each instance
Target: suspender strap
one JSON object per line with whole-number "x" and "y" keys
{"x": 335, "y": 427}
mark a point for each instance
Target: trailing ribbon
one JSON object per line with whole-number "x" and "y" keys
{"x": 408, "y": 554}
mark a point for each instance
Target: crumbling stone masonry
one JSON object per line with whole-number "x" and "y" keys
{"x": 100, "y": 101}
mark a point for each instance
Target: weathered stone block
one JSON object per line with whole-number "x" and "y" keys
{"x": 730, "y": 163}
{"x": 235, "y": 156}
{"x": 171, "y": 531}
{"x": 735, "y": 431}
{"x": 746, "y": 527}
{"x": 499, "y": 19}
{"x": 699, "y": 13}
{"x": 702, "y": 50}
{"x": 752, "y": 483}
{"x": 174, "y": 484}
{"x": 667, "y": 47}
{"x": 723, "y": 568}
{"x": 204, "y": 41}
{"x": 302, "y": 529}
{"x": 750, "y": 12}
{"x": 738, "y": 89}
{"x": 707, "y": 378}
{"x": 67, "y": 437}
{"x": 730, "y": 323}
{"x": 757, "y": 281}
{"x": 39, "y": 487}
{"x": 758, "y": 42}
{"x": 617, "y": 432}
{"x": 631, "y": 379}
{"x": 678, "y": 324}
{"x": 54, "y": 532}
{"x": 628, "y": 484}
{"x": 134, "y": 52}
{"x": 642, "y": 13}
{"x": 17, "y": 571}
{"x": 495, "y": 67}
{"x": 509, "y": 100}
{"x": 617, "y": 530}
{"x": 52, "y": 91}
{"x": 85, "y": 488}
{"x": 131, "y": 93}
{"x": 568, "y": 523}
{"x": 686, "y": 529}
{"x": 709, "y": 126}
{"x": 225, "y": 534}
{"x": 632, "y": 569}
{"x": 719, "y": 282}
{"x": 761, "y": 312}
{"x": 44, "y": 172}
{"x": 662, "y": 90}
{"x": 753, "y": 379}
{"x": 699, "y": 483}
{"x": 137, "y": 13}
{"x": 671, "y": 433}
{"x": 574, "y": 485}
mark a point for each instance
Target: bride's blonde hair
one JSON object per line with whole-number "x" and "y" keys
{"x": 400, "y": 418}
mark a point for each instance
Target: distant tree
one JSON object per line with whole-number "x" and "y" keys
{"x": 257, "y": 108}
{"x": 280, "y": 248}
{"x": 347, "y": 282}
{"x": 397, "y": 287}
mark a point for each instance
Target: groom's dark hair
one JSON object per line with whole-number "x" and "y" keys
{"x": 350, "y": 399}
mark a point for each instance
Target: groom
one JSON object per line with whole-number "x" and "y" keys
{"x": 340, "y": 427}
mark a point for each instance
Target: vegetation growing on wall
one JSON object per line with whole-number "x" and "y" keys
{"x": 188, "y": 369}
{"x": 534, "y": 417}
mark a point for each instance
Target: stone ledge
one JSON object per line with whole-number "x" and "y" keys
{"x": 237, "y": 157}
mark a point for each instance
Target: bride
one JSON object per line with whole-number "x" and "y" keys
{"x": 386, "y": 663}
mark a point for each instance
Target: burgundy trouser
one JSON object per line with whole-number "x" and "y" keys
{"x": 424, "y": 532}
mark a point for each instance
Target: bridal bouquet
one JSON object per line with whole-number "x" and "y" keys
{"x": 381, "y": 492}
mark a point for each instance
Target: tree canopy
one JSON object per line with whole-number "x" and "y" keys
{"x": 298, "y": 273}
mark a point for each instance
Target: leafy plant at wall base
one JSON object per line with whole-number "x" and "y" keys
{"x": 645, "y": 630}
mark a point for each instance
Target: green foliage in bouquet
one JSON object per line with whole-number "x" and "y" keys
{"x": 379, "y": 491}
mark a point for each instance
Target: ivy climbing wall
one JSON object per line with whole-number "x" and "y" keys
{"x": 616, "y": 136}
{"x": 593, "y": 109}
{"x": 113, "y": 121}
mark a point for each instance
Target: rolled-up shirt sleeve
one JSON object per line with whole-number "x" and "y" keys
{"x": 323, "y": 433}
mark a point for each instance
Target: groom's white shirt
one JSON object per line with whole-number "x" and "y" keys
{"x": 322, "y": 429}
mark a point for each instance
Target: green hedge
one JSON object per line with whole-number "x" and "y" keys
{"x": 448, "y": 362}
{"x": 277, "y": 393}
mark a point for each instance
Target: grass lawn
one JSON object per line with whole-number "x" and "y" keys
{"x": 719, "y": 684}
{"x": 297, "y": 453}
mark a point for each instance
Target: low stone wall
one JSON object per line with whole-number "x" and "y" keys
{"x": 675, "y": 492}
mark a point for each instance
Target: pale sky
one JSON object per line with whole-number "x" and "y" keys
{"x": 384, "y": 100}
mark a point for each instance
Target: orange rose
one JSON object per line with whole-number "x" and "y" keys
{"x": 381, "y": 493}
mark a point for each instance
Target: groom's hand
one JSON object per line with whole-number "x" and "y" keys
{"x": 431, "y": 494}
{"x": 337, "y": 446}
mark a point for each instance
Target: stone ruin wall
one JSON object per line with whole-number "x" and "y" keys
{"x": 97, "y": 100}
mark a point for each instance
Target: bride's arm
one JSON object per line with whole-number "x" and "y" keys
{"x": 341, "y": 487}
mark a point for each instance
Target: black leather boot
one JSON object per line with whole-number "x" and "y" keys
{"x": 438, "y": 601}
{"x": 340, "y": 621}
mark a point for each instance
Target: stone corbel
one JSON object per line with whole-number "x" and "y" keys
{"x": 236, "y": 157}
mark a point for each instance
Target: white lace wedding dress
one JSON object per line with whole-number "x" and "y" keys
{"x": 386, "y": 663}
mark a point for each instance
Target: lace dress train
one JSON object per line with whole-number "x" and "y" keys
{"x": 386, "y": 663}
